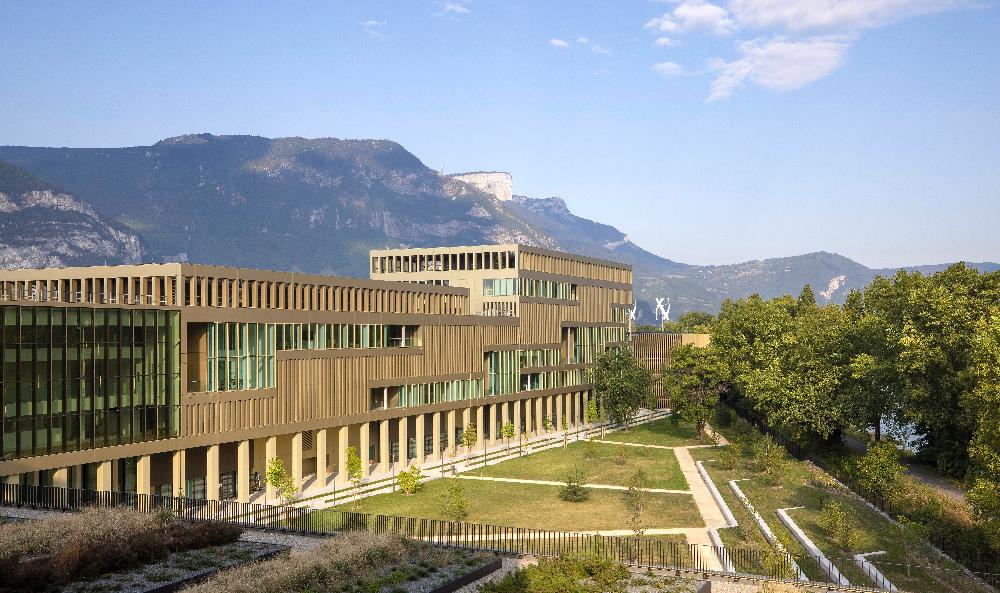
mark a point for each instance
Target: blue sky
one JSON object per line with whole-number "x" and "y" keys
{"x": 710, "y": 132}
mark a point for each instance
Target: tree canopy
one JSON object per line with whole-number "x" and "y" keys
{"x": 621, "y": 383}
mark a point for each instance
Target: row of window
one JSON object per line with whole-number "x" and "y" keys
{"x": 551, "y": 379}
{"x": 503, "y": 372}
{"x": 589, "y": 342}
{"x": 425, "y": 394}
{"x": 444, "y": 262}
{"x": 548, "y": 289}
{"x": 242, "y": 355}
{"x": 500, "y": 286}
{"x": 540, "y": 357}
{"x": 75, "y": 379}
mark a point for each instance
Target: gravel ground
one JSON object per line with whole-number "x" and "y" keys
{"x": 510, "y": 564}
{"x": 294, "y": 540}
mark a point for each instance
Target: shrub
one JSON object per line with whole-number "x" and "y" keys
{"x": 573, "y": 490}
{"x": 622, "y": 455}
{"x": 409, "y": 480}
{"x": 769, "y": 457}
{"x": 566, "y": 574}
{"x": 590, "y": 450}
{"x": 838, "y": 521}
{"x": 879, "y": 469}
{"x": 731, "y": 455}
{"x": 453, "y": 504}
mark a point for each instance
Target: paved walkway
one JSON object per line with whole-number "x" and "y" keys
{"x": 551, "y": 483}
{"x": 650, "y": 446}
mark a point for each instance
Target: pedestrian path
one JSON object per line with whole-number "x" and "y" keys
{"x": 552, "y": 483}
{"x": 649, "y": 446}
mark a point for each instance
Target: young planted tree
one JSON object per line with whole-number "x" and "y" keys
{"x": 573, "y": 490}
{"x": 454, "y": 505}
{"x": 277, "y": 476}
{"x": 507, "y": 433}
{"x": 565, "y": 431}
{"x": 547, "y": 424}
{"x": 694, "y": 380}
{"x": 636, "y": 501}
{"x": 622, "y": 384}
{"x": 469, "y": 437}
{"x": 409, "y": 480}
{"x": 591, "y": 415}
{"x": 354, "y": 473}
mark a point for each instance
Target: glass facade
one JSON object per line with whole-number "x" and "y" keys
{"x": 540, "y": 358}
{"x": 78, "y": 378}
{"x": 241, "y": 355}
{"x": 590, "y": 341}
{"x": 504, "y": 372}
{"x": 423, "y": 394}
{"x": 499, "y": 286}
{"x": 548, "y": 289}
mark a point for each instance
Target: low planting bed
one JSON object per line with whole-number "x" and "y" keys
{"x": 177, "y": 570}
{"x": 358, "y": 563}
{"x": 586, "y": 574}
{"x": 52, "y": 554}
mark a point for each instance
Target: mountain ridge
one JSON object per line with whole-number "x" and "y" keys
{"x": 318, "y": 205}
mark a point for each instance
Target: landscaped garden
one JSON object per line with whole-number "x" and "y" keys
{"x": 664, "y": 432}
{"x": 529, "y": 505}
{"x": 586, "y": 574}
{"x": 112, "y": 550}
{"x": 352, "y": 563}
{"x": 835, "y": 520}
{"x": 600, "y": 462}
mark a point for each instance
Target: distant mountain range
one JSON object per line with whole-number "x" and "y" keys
{"x": 319, "y": 205}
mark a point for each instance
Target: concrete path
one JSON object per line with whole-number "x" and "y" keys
{"x": 710, "y": 511}
{"x": 650, "y": 446}
{"x": 550, "y": 483}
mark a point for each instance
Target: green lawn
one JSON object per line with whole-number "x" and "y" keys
{"x": 660, "y": 467}
{"x": 661, "y": 432}
{"x": 802, "y": 484}
{"x": 536, "y": 506}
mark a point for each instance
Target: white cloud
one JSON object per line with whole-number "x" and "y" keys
{"x": 372, "y": 28}
{"x": 597, "y": 49}
{"x": 668, "y": 69}
{"x": 665, "y": 42}
{"x": 839, "y": 15}
{"x": 583, "y": 40}
{"x": 453, "y": 7}
{"x": 779, "y": 64}
{"x": 694, "y": 15}
{"x": 558, "y": 43}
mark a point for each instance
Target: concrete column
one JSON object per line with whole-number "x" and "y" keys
{"x": 297, "y": 459}
{"x": 517, "y": 417}
{"x": 493, "y": 424}
{"x": 178, "y": 473}
{"x": 529, "y": 423}
{"x": 321, "y": 463}
{"x": 12, "y": 479}
{"x": 143, "y": 475}
{"x": 60, "y": 477}
{"x": 539, "y": 415}
{"x": 504, "y": 413}
{"x": 363, "y": 443}
{"x": 551, "y": 412}
{"x": 402, "y": 430}
{"x": 104, "y": 476}
{"x": 77, "y": 472}
{"x": 586, "y": 402}
{"x": 243, "y": 471}
{"x": 436, "y": 439}
{"x": 480, "y": 426}
{"x": 452, "y": 418}
{"x": 342, "y": 444}
{"x": 270, "y": 452}
{"x": 560, "y": 402}
{"x": 212, "y": 472}
{"x": 420, "y": 437}
{"x": 383, "y": 446}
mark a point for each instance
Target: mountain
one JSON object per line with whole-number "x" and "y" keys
{"x": 44, "y": 226}
{"x": 319, "y": 205}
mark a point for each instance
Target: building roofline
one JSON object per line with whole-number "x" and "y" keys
{"x": 506, "y": 246}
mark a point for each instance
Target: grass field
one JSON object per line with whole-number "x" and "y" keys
{"x": 802, "y": 484}
{"x": 660, "y": 467}
{"x": 661, "y": 432}
{"x": 535, "y": 506}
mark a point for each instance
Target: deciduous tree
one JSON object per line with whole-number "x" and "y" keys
{"x": 622, "y": 383}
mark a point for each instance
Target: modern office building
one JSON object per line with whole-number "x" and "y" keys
{"x": 653, "y": 348}
{"x": 185, "y": 379}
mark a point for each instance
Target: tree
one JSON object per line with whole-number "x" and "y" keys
{"x": 547, "y": 424}
{"x": 454, "y": 505}
{"x": 507, "y": 433}
{"x": 591, "y": 415}
{"x": 879, "y": 470}
{"x": 354, "y": 473}
{"x": 622, "y": 384}
{"x": 469, "y": 437}
{"x": 635, "y": 501}
{"x": 838, "y": 522}
{"x": 985, "y": 404}
{"x": 409, "y": 480}
{"x": 573, "y": 490}
{"x": 565, "y": 429}
{"x": 277, "y": 476}
{"x": 694, "y": 380}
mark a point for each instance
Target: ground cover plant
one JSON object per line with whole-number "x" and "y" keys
{"x": 664, "y": 432}
{"x": 585, "y": 574}
{"x": 531, "y": 505}
{"x": 45, "y": 555}
{"x": 356, "y": 562}
{"x": 836, "y": 521}
{"x": 598, "y": 460}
